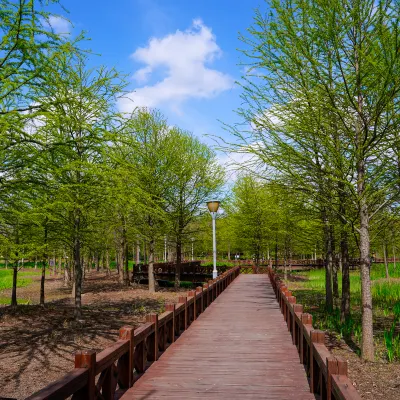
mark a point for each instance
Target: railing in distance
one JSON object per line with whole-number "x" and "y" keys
{"x": 115, "y": 369}
{"x": 327, "y": 373}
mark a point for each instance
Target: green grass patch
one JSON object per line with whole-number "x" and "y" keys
{"x": 23, "y": 278}
{"x": 310, "y": 291}
{"x": 7, "y": 301}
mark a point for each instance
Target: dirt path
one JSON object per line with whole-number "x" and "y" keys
{"x": 37, "y": 345}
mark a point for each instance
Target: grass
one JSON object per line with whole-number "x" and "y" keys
{"x": 6, "y": 278}
{"x": 310, "y": 291}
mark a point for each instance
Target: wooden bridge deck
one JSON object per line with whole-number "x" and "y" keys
{"x": 239, "y": 348}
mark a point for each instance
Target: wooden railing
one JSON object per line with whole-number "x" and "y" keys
{"x": 115, "y": 369}
{"x": 281, "y": 263}
{"x": 189, "y": 271}
{"x": 327, "y": 373}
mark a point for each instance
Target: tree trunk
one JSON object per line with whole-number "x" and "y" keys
{"x": 394, "y": 258}
{"x": 328, "y": 264}
{"x": 42, "y": 280}
{"x": 367, "y": 347}
{"x": 344, "y": 248}
{"x": 15, "y": 273}
{"x": 98, "y": 261}
{"x": 67, "y": 277}
{"x": 126, "y": 259}
{"x": 45, "y": 257}
{"x": 121, "y": 257}
{"x": 117, "y": 258}
{"x": 137, "y": 252}
{"x": 229, "y": 250}
{"x": 108, "y": 262}
{"x": 335, "y": 267}
{"x": 59, "y": 265}
{"x": 178, "y": 262}
{"x": 276, "y": 253}
{"x": 77, "y": 269}
{"x": 14, "y": 286}
{"x": 385, "y": 261}
{"x": 152, "y": 280}
{"x": 285, "y": 269}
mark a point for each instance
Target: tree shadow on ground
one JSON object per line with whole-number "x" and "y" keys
{"x": 47, "y": 338}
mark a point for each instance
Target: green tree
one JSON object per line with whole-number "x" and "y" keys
{"x": 196, "y": 177}
{"x": 335, "y": 65}
{"x": 79, "y": 114}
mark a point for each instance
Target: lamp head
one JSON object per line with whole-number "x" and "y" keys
{"x": 213, "y": 206}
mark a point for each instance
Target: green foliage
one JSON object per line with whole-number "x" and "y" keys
{"x": 219, "y": 264}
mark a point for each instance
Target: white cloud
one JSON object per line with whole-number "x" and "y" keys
{"x": 60, "y": 25}
{"x": 237, "y": 162}
{"x": 184, "y": 56}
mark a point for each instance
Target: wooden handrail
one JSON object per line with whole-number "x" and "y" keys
{"x": 120, "y": 364}
{"x": 64, "y": 387}
{"x": 328, "y": 374}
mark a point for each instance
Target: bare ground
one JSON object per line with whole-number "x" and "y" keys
{"x": 37, "y": 345}
{"x": 373, "y": 380}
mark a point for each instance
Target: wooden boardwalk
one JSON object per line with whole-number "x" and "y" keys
{"x": 239, "y": 348}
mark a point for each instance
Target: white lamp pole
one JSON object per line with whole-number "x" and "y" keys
{"x": 213, "y": 206}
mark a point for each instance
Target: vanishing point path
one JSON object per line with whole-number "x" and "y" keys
{"x": 239, "y": 348}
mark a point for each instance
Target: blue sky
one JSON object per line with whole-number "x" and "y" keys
{"x": 180, "y": 55}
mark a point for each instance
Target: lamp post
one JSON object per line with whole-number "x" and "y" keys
{"x": 192, "y": 239}
{"x": 213, "y": 206}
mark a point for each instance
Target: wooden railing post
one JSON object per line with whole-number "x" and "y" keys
{"x": 152, "y": 344}
{"x": 184, "y": 320}
{"x": 334, "y": 366}
{"x": 125, "y": 363}
{"x": 173, "y": 326}
{"x": 199, "y": 289}
{"x": 297, "y": 308}
{"x": 205, "y": 296}
{"x": 87, "y": 359}
{"x": 306, "y": 319}
{"x": 290, "y": 317}
{"x": 316, "y": 336}
{"x": 282, "y": 293}
{"x": 192, "y": 308}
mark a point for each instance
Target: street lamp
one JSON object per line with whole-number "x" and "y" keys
{"x": 213, "y": 206}
{"x": 192, "y": 239}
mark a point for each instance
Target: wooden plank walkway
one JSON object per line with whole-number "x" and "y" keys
{"x": 239, "y": 348}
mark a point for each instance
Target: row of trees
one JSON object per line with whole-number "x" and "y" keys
{"x": 321, "y": 102}
{"x": 77, "y": 177}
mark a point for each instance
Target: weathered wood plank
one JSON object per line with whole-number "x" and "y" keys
{"x": 239, "y": 348}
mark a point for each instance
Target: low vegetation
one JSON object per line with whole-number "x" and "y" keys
{"x": 309, "y": 289}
